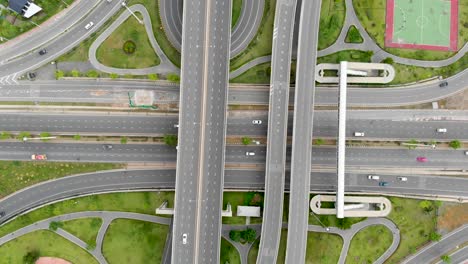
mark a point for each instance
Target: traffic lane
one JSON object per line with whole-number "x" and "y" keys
{"x": 96, "y": 123}
{"x": 89, "y": 183}
{"x": 63, "y": 43}
{"x": 88, "y": 152}
{"x": 415, "y": 184}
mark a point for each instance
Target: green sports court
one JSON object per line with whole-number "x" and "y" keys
{"x": 422, "y": 24}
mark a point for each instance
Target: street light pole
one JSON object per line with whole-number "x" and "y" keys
{"x": 125, "y": 5}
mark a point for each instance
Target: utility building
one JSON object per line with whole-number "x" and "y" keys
{"x": 24, "y": 7}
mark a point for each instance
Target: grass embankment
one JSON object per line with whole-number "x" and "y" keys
{"x": 241, "y": 198}
{"x": 134, "y": 241}
{"x": 16, "y": 175}
{"x": 85, "y": 229}
{"x": 137, "y": 202}
{"x": 353, "y": 35}
{"x": 369, "y": 244}
{"x": 22, "y": 25}
{"x": 46, "y": 243}
{"x": 259, "y": 74}
{"x": 372, "y": 13}
{"x": 80, "y": 53}
{"x": 236, "y": 11}
{"x": 261, "y": 44}
{"x": 415, "y": 226}
{"x": 229, "y": 253}
{"x": 111, "y": 52}
{"x": 332, "y": 16}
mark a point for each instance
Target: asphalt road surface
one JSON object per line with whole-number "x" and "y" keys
{"x": 60, "y": 45}
{"x": 238, "y": 94}
{"x": 243, "y": 32}
{"x": 206, "y": 32}
{"x": 99, "y": 182}
{"x": 277, "y": 130}
{"x": 302, "y": 132}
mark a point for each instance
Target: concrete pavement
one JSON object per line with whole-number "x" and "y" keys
{"x": 302, "y": 132}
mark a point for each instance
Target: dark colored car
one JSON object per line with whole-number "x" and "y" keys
{"x": 107, "y": 146}
{"x": 42, "y": 52}
{"x": 383, "y": 183}
{"x": 2, "y": 214}
{"x": 443, "y": 84}
{"x": 31, "y": 75}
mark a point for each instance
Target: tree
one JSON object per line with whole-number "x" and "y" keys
{"x": 388, "y": 60}
{"x": 5, "y": 135}
{"x": 170, "y": 140}
{"x": 455, "y": 144}
{"x": 75, "y": 73}
{"x": 23, "y": 135}
{"x": 123, "y": 140}
{"x": 92, "y": 74}
{"x": 153, "y": 76}
{"x": 54, "y": 225}
{"x": 343, "y": 223}
{"x": 59, "y": 74}
{"x": 426, "y": 206}
{"x": 31, "y": 257}
{"x": 319, "y": 141}
{"x": 446, "y": 258}
{"x": 235, "y": 235}
{"x": 246, "y": 141}
{"x": 434, "y": 236}
{"x": 412, "y": 142}
{"x": 77, "y": 137}
{"x": 249, "y": 235}
{"x": 173, "y": 77}
{"x": 44, "y": 135}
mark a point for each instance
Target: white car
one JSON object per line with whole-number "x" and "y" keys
{"x": 466, "y": 152}
{"x": 89, "y": 25}
{"x": 184, "y": 238}
{"x": 176, "y": 125}
{"x": 403, "y": 179}
{"x": 373, "y": 177}
{"x": 359, "y": 134}
{"x": 441, "y": 130}
{"x": 257, "y": 122}
{"x": 250, "y": 153}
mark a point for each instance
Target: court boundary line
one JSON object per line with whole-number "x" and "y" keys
{"x": 389, "y": 30}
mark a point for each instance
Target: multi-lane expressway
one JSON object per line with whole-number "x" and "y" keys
{"x": 121, "y": 180}
{"x": 104, "y": 91}
{"x": 206, "y": 31}
{"x": 378, "y": 124}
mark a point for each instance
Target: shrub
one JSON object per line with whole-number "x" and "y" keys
{"x": 319, "y": 141}
{"x": 446, "y": 259}
{"x": 173, "y": 77}
{"x": 170, "y": 140}
{"x": 5, "y": 135}
{"x": 54, "y": 225}
{"x": 246, "y": 140}
{"x": 92, "y": 74}
{"x": 77, "y": 137}
{"x": 434, "y": 236}
{"x": 388, "y": 60}
{"x": 455, "y": 144}
{"x": 153, "y": 76}
{"x": 114, "y": 75}
{"x": 31, "y": 257}
{"x": 22, "y": 135}
{"x": 43, "y": 135}
{"x": 123, "y": 140}
{"x": 59, "y": 74}
{"x": 129, "y": 47}
{"x": 235, "y": 235}
{"x": 249, "y": 235}
{"x": 75, "y": 73}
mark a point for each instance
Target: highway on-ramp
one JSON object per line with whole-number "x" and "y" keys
{"x": 302, "y": 132}
{"x": 277, "y": 131}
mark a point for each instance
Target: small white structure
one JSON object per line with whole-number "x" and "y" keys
{"x": 227, "y": 212}
{"x": 249, "y": 211}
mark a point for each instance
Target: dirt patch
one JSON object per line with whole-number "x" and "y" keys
{"x": 458, "y": 101}
{"x": 51, "y": 260}
{"x": 452, "y": 216}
